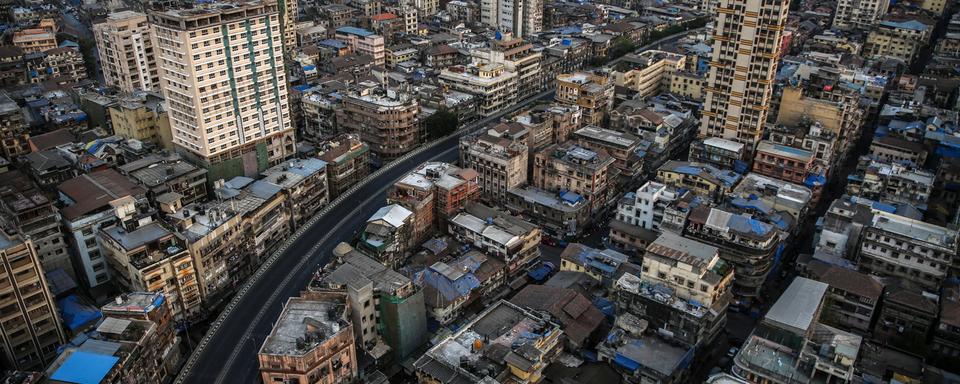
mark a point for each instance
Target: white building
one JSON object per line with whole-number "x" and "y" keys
{"x": 127, "y": 52}
{"x": 644, "y": 208}
{"x": 520, "y": 17}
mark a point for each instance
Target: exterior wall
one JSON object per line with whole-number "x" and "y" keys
{"x": 127, "y": 52}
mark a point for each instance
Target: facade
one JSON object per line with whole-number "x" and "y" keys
{"x": 312, "y": 341}
{"x": 854, "y": 297}
{"x": 386, "y": 119}
{"x": 303, "y": 183}
{"x": 514, "y": 241}
{"x": 897, "y": 246}
{"x": 127, "y": 52}
{"x": 388, "y": 235}
{"x": 522, "y": 18}
{"x": 518, "y": 56}
{"x": 624, "y": 148}
{"x": 142, "y": 117}
{"x": 35, "y": 40}
{"x": 859, "y": 14}
{"x": 236, "y": 119}
{"x": 719, "y": 152}
{"x": 500, "y": 163}
{"x": 649, "y": 72}
{"x": 593, "y": 93}
{"x": 31, "y": 329}
{"x": 348, "y": 162}
{"x": 27, "y": 210}
{"x": 14, "y": 133}
{"x": 153, "y": 259}
{"x": 895, "y": 39}
{"x": 492, "y": 84}
{"x": 747, "y": 36}
{"x": 569, "y": 168}
{"x": 499, "y": 327}
{"x": 364, "y": 42}
{"x": 747, "y": 244}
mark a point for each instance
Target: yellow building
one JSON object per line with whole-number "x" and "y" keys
{"x": 648, "y": 72}
{"x": 687, "y": 84}
{"x": 144, "y": 118}
{"x": 35, "y": 40}
{"x": 897, "y": 40}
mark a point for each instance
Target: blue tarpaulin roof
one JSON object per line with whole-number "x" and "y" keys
{"x": 85, "y": 368}
{"x": 76, "y": 314}
{"x": 626, "y": 362}
{"x": 754, "y": 204}
{"x": 540, "y": 273}
{"x": 570, "y": 197}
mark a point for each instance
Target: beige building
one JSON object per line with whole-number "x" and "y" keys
{"x": 501, "y": 163}
{"x": 859, "y": 14}
{"x": 593, "y": 93}
{"x": 31, "y": 330}
{"x": 348, "y": 162}
{"x": 494, "y": 85}
{"x": 746, "y": 49}
{"x": 386, "y": 119}
{"x": 364, "y": 42}
{"x": 311, "y": 342}
{"x": 289, "y": 10}
{"x": 153, "y": 259}
{"x": 127, "y": 52}
{"x": 227, "y": 109}
{"x": 568, "y": 167}
{"x": 897, "y": 39}
{"x": 518, "y": 56}
{"x": 143, "y": 117}
{"x": 649, "y": 72}
{"x": 35, "y": 40}
{"x": 522, "y": 18}
{"x": 687, "y": 84}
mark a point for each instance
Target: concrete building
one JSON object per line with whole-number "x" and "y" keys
{"x": 94, "y": 201}
{"x": 703, "y": 179}
{"x": 35, "y": 40}
{"x": 151, "y": 258}
{"x": 14, "y": 133}
{"x": 386, "y": 309}
{"x": 600, "y": 264}
{"x": 772, "y": 199}
{"x": 29, "y": 212}
{"x": 516, "y": 242}
{"x": 645, "y": 207}
{"x": 348, "y": 162}
{"x": 907, "y": 318}
{"x": 518, "y": 56}
{"x": 569, "y": 168}
{"x": 364, "y": 42}
{"x": 897, "y": 39}
{"x": 32, "y": 331}
{"x": 389, "y": 235}
{"x": 593, "y": 93}
{"x": 162, "y": 173}
{"x": 719, "y": 152}
{"x": 561, "y": 215}
{"x": 624, "y": 148}
{"x": 747, "y": 35}
{"x": 312, "y": 341}
{"x": 386, "y": 119}
{"x": 303, "y": 182}
{"x": 61, "y": 66}
{"x": 143, "y": 117}
{"x": 749, "y": 245}
{"x": 500, "y": 163}
{"x": 493, "y": 84}
{"x": 522, "y": 18}
{"x": 854, "y": 296}
{"x": 683, "y": 291}
{"x": 450, "y": 286}
{"x": 434, "y": 192}
{"x": 858, "y": 15}
{"x": 648, "y": 73}
{"x": 897, "y": 246}
{"x": 502, "y": 327}
{"x": 784, "y": 162}
{"x": 227, "y": 109}
{"x": 791, "y": 346}
{"x": 891, "y": 182}
{"x": 127, "y": 52}
{"x": 896, "y": 150}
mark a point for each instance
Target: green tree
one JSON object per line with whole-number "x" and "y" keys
{"x": 621, "y": 46}
{"x": 441, "y": 123}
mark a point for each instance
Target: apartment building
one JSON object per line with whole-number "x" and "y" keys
{"x": 35, "y": 40}
{"x": 435, "y": 192}
{"x": 516, "y": 242}
{"x": 837, "y": 112}
{"x": 854, "y": 296}
{"x": 897, "y": 39}
{"x": 303, "y": 183}
{"x": 624, "y": 148}
{"x": 891, "y": 182}
{"x": 684, "y": 289}
{"x": 746, "y": 50}
{"x": 63, "y": 66}
{"x": 500, "y": 163}
{"x": 144, "y": 117}
{"x": 223, "y": 78}
{"x": 14, "y": 134}
{"x": 897, "y": 246}
{"x": 93, "y": 201}
{"x": 388, "y": 235}
{"x": 890, "y": 149}
{"x": 562, "y": 215}
{"x": 703, "y": 179}
{"x": 348, "y": 162}
{"x": 312, "y": 341}
{"x": 386, "y": 119}
{"x": 719, "y": 152}
{"x": 151, "y": 258}
{"x": 386, "y": 307}
{"x": 648, "y": 73}
{"x": 569, "y": 168}
{"x": 518, "y": 56}
{"x": 31, "y": 331}
{"x": 526, "y": 341}
{"x": 600, "y": 264}
{"x": 790, "y": 345}
{"x": 593, "y": 93}
{"x": 25, "y": 209}
{"x": 750, "y": 246}
{"x": 645, "y": 207}
{"x": 522, "y": 18}
{"x": 127, "y": 52}
{"x": 908, "y": 316}
{"x": 858, "y": 15}
{"x": 492, "y": 83}
{"x": 450, "y": 286}
{"x": 161, "y": 173}
{"x": 363, "y": 42}
{"x": 784, "y": 162}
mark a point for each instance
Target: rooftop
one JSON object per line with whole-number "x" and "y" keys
{"x": 661, "y": 294}
{"x": 306, "y": 323}
{"x": 135, "y": 302}
{"x": 358, "y": 270}
{"x": 614, "y": 138}
{"x": 916, "y": 229}
{"x": 81, "y": 367}
{"x": 798, "y": 306}
{"x": 94, "y": 191}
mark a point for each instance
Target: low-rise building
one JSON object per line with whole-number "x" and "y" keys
{"x": 388, "y": 235}
{"x": 494, "y": 86}
{"x": 504, "y": 341}
{"x": 624, "y": 148}
{"x": 561, "y": 214}
{"x": 363, "y": 42}
{"x": 702, "y": 179}
{"x": 719, "y": 152}
{"x": 600, "y": 264}
{"x": 893, "y": 183}
{"x": 450, "y": 286}
{"x": 303, "y": 182}
{"x": 348, "y": 162}
{"x": 500, "y": 163}
{"x": 570, "y": 168}
{"x": 897, "y": 39}
{"x": 898, "y": 246}
{"x": 649, "y": 72}
{"x": 35, "y": 40}
{"x": 143, "y": 117}
{"x": 853, "y": 296}
{"x": 908, "y": 316}
{"x": 593, "y": 93}
{"x": 312, "y": 341}
{"x": 578, "y": 318}
{"x": 14, "y": 132}
{"x": 772, "y": 200}
{"x": 516, "y": 242}
{"x": 168, "y": 173}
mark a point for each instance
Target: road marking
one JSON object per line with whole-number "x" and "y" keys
{"x": 247, "y": 336}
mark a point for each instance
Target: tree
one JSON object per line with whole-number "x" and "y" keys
{"x": 621, "y": 46}
{"x": 441, "y": 123}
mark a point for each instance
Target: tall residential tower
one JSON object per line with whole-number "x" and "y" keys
{"x": 746, "y": 47}
{"x": 127, "y": 52}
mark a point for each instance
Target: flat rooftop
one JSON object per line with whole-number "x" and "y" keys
{"x": 304, "y": 324}
{"x": 915, "y": 229}
{"x": 798, "y": 306}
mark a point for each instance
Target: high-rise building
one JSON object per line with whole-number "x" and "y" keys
{"x": 523, "y": 18}
{"x": 224, "y": 82}
{"x": 289, "y": 10}
{"x": 746, "y": 46}
{"x": 859, "y": 14}
{"x": 31, "y": 329}
{"x": 127, "y": 51}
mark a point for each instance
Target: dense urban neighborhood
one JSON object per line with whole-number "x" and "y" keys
{"x": 479, "y": 191}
